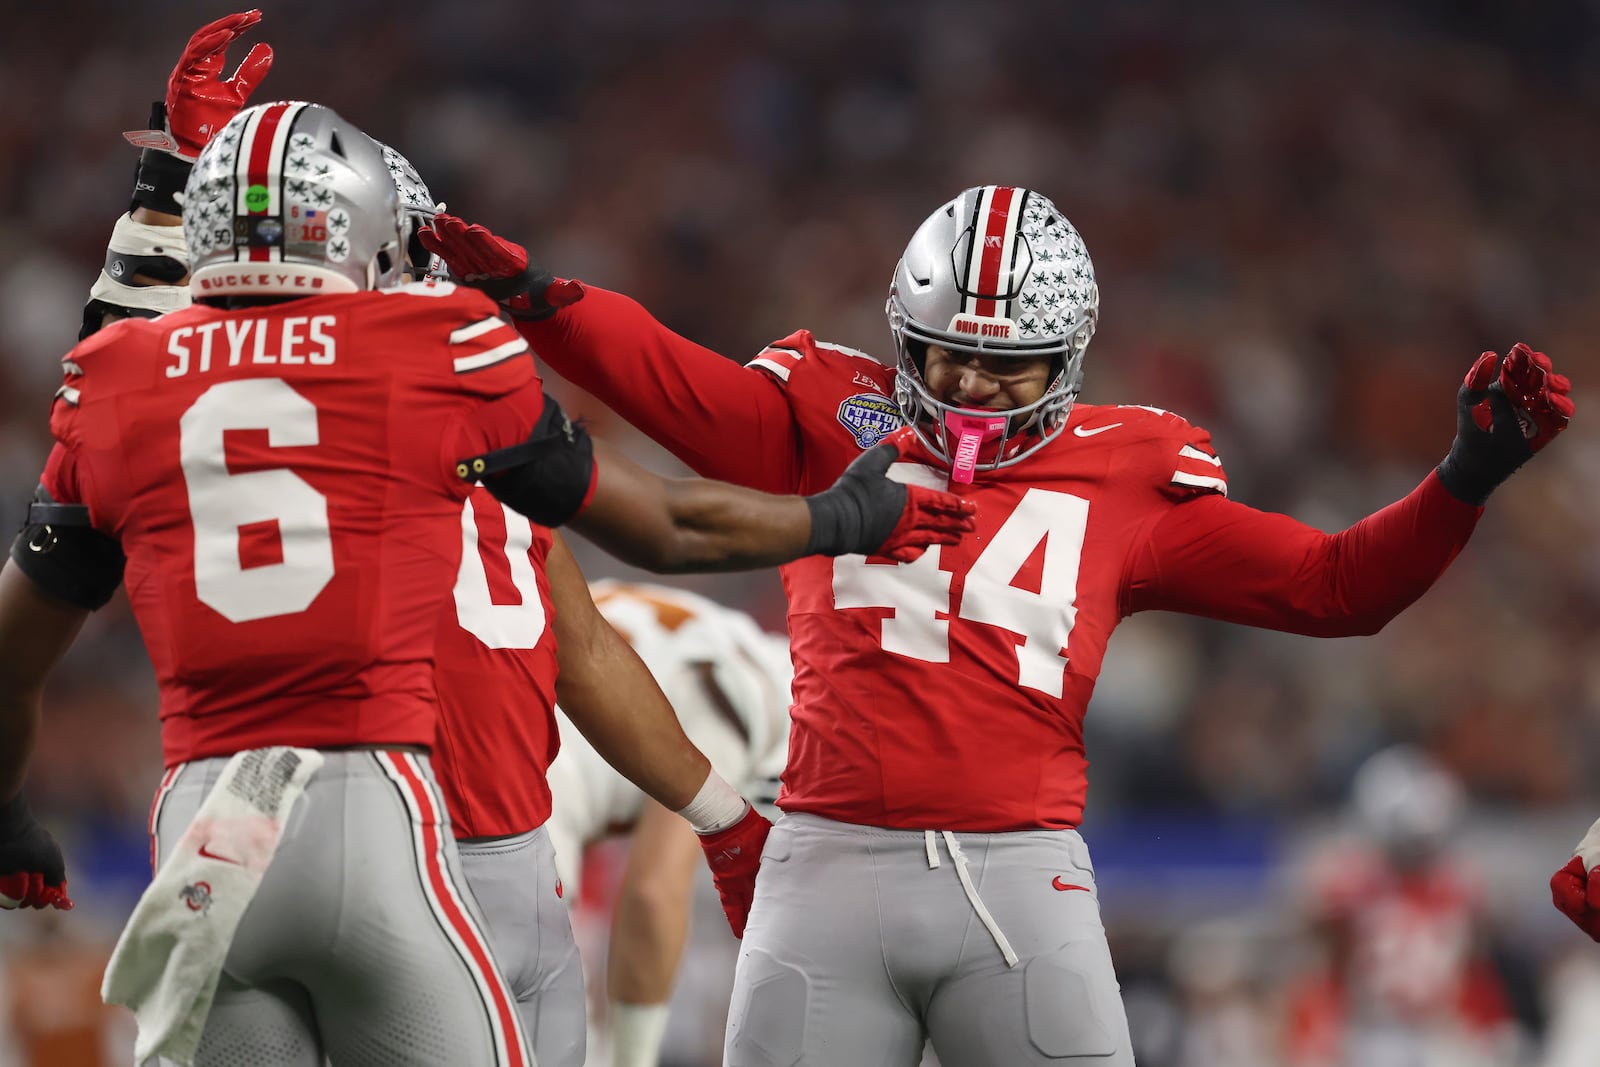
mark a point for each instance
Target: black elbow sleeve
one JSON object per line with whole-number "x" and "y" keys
{"x": 66, "y": 557}
{"x": 548, "y": 477}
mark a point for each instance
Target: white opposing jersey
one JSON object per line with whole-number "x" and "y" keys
{"x": 727, "y": 680}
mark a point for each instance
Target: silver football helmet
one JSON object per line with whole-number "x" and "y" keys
{"x": 289, "y": 199}
{"x": 419, "y": 208}
{"x": 1407, "y": 801}
{"x": 997, "y": 271}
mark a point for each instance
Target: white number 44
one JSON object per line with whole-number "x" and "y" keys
{"x": 919, "y": 591}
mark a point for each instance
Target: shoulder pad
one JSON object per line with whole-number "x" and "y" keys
{"x": 784, "y": 357}
{"x": 1182, "y": 459}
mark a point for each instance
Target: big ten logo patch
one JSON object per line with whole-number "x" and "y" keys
{"x": 869, "y": 418}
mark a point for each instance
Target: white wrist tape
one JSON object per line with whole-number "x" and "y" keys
{"x": 137, "y": 239}
{"x": 637, "y": 1031}
{"x": 716, "y": 807}
{"x": 1589, "y": 847}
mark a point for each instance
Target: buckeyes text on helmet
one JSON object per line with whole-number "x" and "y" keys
{"x": 998, "y": 271}
{"x": 289, "y": 199}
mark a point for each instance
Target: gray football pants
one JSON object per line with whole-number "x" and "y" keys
{"x": 362, "y": 943}
{"x": 864, "y": 942}
{"x": 514, "y": 880}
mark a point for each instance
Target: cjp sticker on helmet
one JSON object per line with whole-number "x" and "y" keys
{"x": 289, "y": 199}
{"x": 996, "y": 271}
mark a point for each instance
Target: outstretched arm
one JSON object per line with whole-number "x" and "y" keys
{"x": 560, "y": 475}
{"x": 147, "y": 261}
{"x": 723, "y": 420}
{"x": 1223, "y": 560}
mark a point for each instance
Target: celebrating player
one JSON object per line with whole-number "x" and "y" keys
{"x": 496, "y": 653}
{"x": 172, "y": 441}
{"x": 937, "y": 763}
{"x": 729, "y": 684}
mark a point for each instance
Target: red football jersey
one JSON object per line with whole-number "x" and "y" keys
{"x": 949, "y": 693}
{"x": 282, "y": 480}
{"x": 496, "y": 672}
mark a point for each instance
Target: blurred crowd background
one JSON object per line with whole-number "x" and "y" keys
{"x": 1307, "y": 220}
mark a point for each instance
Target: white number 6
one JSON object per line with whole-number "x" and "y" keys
{"x": 220, "y": 502}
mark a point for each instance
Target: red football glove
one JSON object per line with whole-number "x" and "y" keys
{"x": 1537, "y": 393}
{"x": 502, "y": 269}
{"x": 867, "y": 513}
{"x": 199, "y": 100}
{"x": 32, "y": 872}
{"x": 735, "y": 857}
{"x": 1576, "y": 894}
{"x": 1506, "y": 411}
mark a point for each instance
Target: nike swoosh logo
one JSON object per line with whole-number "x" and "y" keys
{"x": 208, "y": 854}
{"x": 1061, "y": 887}
{"x": 1081, "y": 432}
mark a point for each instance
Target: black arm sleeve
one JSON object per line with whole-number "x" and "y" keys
{"x": 66, "y": 557}
{"x": 548, "y": 477}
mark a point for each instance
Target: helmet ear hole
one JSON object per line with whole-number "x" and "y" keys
{"x": 385, "y": 262}
{"x": 336, "y": 146}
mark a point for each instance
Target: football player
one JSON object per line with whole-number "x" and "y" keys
{"x": 497, "y": 642}
{"x": 260, "y": 591}
{"x": 729, "y": 684}
{"x": 1402, "y": 975}
{"x": 928, "y": 880}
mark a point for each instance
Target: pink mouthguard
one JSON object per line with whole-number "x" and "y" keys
{"x": 972, "y": 433}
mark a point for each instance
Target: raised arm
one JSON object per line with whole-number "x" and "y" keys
{"x": 559, "y": 475}
{"x": 721, "y": 419}
{"x": 1212, "y": 557}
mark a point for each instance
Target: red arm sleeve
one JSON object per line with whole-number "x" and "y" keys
{"x": 1223, "y": 560}
{"x": 723, "y": 420}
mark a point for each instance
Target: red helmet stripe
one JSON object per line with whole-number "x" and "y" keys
{"x": 261, "y": 150}
{"x": 995, "y": 240}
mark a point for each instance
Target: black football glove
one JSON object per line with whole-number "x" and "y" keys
{"x": 1506, "y": 410}
{"x": 865, "y": 512}
{"x": 32, "y": 872}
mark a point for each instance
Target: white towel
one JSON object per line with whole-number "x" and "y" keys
{"x": 169, "y": 958}
{"x": 1589, "y": 847}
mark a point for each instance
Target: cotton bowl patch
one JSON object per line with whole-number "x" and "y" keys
{"x": 870, "y": 418}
